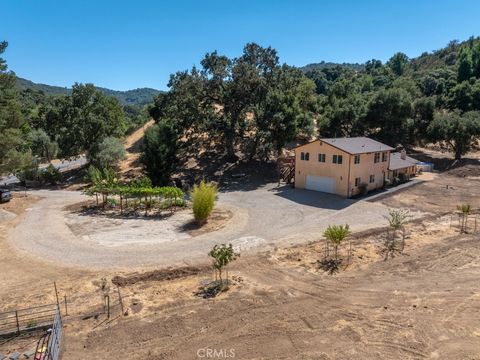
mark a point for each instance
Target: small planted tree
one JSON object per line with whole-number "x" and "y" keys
{"x": 464, "y": 211}
{"x": 203, "y": 197}
{"x": 222, "y": 256}
{"x": 396, "y": 219}
{"x": 335, "y": 234}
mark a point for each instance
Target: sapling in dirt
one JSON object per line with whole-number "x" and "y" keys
{"x": 464, "y": 211}
{"x": 222, "y": 256}
{"x": 334, "y": 235}
{"x": 396, "y": 219}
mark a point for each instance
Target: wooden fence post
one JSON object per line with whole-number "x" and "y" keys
{"x": 56, "y": 294}
{"x": 18, "y": 324}
{"x": 66, "y": 308}
{"x": 120, "y": 300}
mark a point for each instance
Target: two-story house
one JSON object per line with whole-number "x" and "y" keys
{"x": 339, "y": 166}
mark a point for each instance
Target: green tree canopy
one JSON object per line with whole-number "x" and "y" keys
{"x": 398, "y": 63}
{"x": 14, "y": 151}
{"x": 459, "y": 132}
{"x": 82, "y": 119}
{"x": 160, "y": 151}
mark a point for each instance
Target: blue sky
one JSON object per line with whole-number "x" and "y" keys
{"x": 128, "y": 44}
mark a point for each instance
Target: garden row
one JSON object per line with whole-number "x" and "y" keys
{"x": 140, "y": 193}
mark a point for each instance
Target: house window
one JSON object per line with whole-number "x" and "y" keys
{"x": 337, "y": 159}
{"x": 377, "y": 158}
{"x": 307, "y": 156}
{"x": 304, "y": 156}
{"x": 384, "y": 156}
{"x": 357, "y": 159}
{"x": 372, "y": 178}
{"x": 357, "y": 181}
{"x": 321, "y": 157}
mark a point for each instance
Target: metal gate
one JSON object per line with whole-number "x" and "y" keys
{"x": 54, "y": 343}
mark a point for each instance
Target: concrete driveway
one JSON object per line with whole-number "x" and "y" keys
{"x": 265, "y": 217}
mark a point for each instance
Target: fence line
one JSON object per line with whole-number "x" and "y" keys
{"x": 21, "y": 320}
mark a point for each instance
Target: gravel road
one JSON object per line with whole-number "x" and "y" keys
{"x": 265, "y": 217}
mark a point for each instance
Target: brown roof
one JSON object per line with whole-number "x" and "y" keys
{"x": 356, "y": 145}
{"x": 396, "y": 161}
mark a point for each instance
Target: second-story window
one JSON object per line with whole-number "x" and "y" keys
{"x": 337, "y": 159}
{"x": 307, "y": 156}
{"x": 357, "y": 159}
{"x": 376, "y": 158}
{"x": 384, "y": 156}
{"x": 321, "y": 157}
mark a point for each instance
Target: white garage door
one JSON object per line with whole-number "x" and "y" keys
{"x": 320, "y": 183}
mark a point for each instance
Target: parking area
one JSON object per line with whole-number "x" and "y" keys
{"x": 267, "y": 216}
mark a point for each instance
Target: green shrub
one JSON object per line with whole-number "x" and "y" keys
{"x": 51, "y": 175}
{"x": 363, "y": 189}
{"x": 203, "y": 200}
{"x": 403, "y": 177}
{"x": 31, "y": 323}
{"x": 336, "y": 234}
{"x": 28, "y": 174}
{"x": 160, "y": 152}
{"x": 107, "y": 153}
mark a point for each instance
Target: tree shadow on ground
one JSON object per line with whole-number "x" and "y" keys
{"x": 89, "y": 209}
{"x": 443, "y": 163}
{"x": 312, "y": 198}
{"x": 331, "y": 266}
{"x": 231, "y": 176}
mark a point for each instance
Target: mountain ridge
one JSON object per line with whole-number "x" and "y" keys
{"x": 138, "y": 96}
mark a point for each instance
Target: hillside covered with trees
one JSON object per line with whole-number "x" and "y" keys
{"x": 249, "y": 107}
{"x": 140, "y": 96}
{"x": 37, "y": 126}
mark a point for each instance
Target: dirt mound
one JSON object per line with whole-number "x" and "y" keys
{"x": 463, "y": 169}
{"x": 159, "y": 275}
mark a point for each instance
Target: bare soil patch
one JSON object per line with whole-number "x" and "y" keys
{"x": 420, "y": 304}
{"x": 442, "y": 194}
{"x": 131, "y": 166}
{"x": 159, "y": 275}
{"x": 107, "y": 225}
{"x": 217, "y": 220}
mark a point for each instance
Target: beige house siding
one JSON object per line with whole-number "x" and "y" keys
{"x": 368, "y": 167}
{"x": 313, "y": 167}
{"x": 345, "y": 173}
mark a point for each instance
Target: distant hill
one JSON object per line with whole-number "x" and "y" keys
{"x": 139, "y": 96}
{"x": 323, "y": 65}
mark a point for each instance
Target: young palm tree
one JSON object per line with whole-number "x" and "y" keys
{"x": 336, "y": 234}
{"x": 465, "y": 210}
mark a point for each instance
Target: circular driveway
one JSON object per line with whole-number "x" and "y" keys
{"x": 263, "y": 217}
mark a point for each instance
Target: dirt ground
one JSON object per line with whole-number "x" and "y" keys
{"x": 420, "y": 304}
{"x": 442, "y": 194}
{"x": 423, "y": 303}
